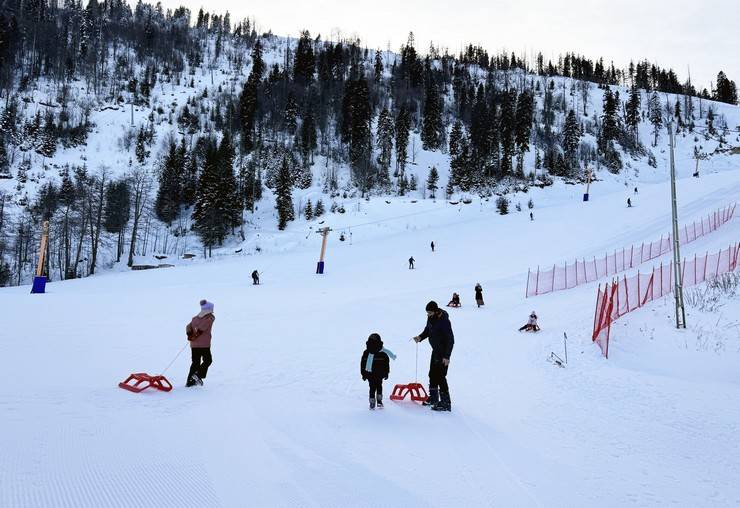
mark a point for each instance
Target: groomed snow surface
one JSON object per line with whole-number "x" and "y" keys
{"x": 282, "y": 420}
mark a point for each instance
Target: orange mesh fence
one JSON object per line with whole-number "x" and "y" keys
{"x": 568, "y": 276}
{"x": 627, "y": 294}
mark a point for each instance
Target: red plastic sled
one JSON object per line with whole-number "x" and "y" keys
{"x": 142, "y": 381}
{"x": 416, "y": 391}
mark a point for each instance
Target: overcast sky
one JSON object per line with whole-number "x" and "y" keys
{"x": 701, "y": 35}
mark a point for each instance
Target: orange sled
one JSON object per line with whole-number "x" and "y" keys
{"x": 140, "y": 381}
{"x": 415, "y": 390}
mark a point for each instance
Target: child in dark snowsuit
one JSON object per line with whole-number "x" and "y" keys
{"x": 374, "y": 367}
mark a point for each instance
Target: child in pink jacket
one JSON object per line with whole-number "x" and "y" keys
{"x": 199, "y": 335}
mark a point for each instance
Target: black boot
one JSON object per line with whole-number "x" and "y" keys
{"x": 372, "y": 402}
{"x": 379, "y": 400}
{"x": 444, "y": 404}
{"x": 433, "y": 398}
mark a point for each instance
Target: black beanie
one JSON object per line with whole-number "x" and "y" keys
{"x": 432, "y": 306}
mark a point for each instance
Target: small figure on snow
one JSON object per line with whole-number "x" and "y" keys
{"x": 439, "y": 332}
{"x": 479, "y": 294}
{"x": 375, "y": 367}
{"x": 635, "y": 190}
{"x": 455, "y": 302}
{"x": 199, "y": 335}
{"x": 432, "y": 246}
{"x": 255, "y": 278}
{"x": 531, "y": 325}
{"x": 531, "y": 216}
{"x": 629, "y": 203}
{"x": 411, "y": 263}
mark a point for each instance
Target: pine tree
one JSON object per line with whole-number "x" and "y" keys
{"x": 319, "y": 210}
{"x": 507, "y": 127}
{"x": 141, "y": 152}
{"x": 502, "y": 205}
{"x": 524, "y": 113}
{"x": 609, "y": 125}
{"x": 726, "y": 89}
{"x": 208, "y": 214}
{"x": 460, "y": 167}
{"x": 249, "y": 98}
{"x": 305, "y": 60}
{"x": 308, "y": 136}
{"x": 384, "y": 136}
{"x": 169, "y": 195}
{"x": 402, "y": 127}
{"x": 710, "y": 122}
{"x": 432, "y": 180}
{"x": 283, "y": 195}
{"x": 290, "y": 115}
{"x": 308, "y": 210}
{"x": 431, "y": 132}
{"x": 571, "y": 140}
{"x": 4, "y": 162}
{"x": 656, "y": 116}
{"x": 228, "y": 200}
{"x": 632, "y": 113}
{"x": 378, "y": 66}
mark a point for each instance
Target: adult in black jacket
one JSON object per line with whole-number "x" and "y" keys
{"x": 374, "y": 367}
{"x": 439, "y": 332}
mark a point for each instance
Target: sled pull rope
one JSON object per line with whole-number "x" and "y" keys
{"x": 175, "y": 358}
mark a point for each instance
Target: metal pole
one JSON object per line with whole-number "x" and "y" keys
{"x": 678, "y": 278}
{"x": 42, "y": 249}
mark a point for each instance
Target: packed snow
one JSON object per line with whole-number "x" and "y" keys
{"x": 283, "y": 418}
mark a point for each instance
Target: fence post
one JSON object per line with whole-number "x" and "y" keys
{"x": 650, "y": 254}
{"x": 537, "y": 282}
{"x": 627, "y": 293}
{"x": 638, "y": 289}
{"x": 632, "y": 254}
{"x": 661, "y": 280}
{"x": 706, "y": 258}
{"x": 596, "y": 310}
{"x": 596, "y": 269}
{"x": 526, "y": 291}
{"x": 553, "y": 278}
{"x": 695, "y": 282}
{"x": 719, "y": 256}
{"x": 565, "y": 267}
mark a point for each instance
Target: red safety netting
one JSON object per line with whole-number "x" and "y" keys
{"x": 627, "y": 294}
{"x": 568, "y": 276}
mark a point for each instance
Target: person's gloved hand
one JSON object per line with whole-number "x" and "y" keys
{"x": 364, "y": 378}
{"x": 386, "y": 377}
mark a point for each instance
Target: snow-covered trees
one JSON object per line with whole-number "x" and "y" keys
{"x": 656, "y": 116}
{"x": 283, "y": 195}
{"x": 571, "y": 140}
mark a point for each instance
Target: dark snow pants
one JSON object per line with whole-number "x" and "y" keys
{"x": 438, "y": 375}
{"x": 376, "y": 386}
{"x": 196, "y": 367}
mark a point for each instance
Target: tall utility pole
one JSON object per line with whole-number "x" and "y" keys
{"x": 677, "y": 272}
{"x": 324, "y": 232}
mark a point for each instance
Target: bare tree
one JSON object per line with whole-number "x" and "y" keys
{"x": 141, "y": 184}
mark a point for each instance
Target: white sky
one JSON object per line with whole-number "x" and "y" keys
{"x": 704, "y": 35}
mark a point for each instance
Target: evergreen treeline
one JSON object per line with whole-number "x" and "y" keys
{"x": 331, "y": 99}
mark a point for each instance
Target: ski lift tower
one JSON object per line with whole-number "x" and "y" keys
{"x": 677, "y": 272}
{"x": 324, "y": 232}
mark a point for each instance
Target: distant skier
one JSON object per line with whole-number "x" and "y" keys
{"x": 375, "y": 367}
{"x": 199, "y": 335}
{"x": 411, "y": 263}
{"x": 635, "y": 190}
{"x": 455, "y": 302}
{"x": 439, "y": 332}
{"x": 531, "y": 216}
{"x": 629, "y": 203}
{"x": 432, "y": 246}
{"x": 531, "y": 325}
{"x": 255, "y": 278}
{"x": 479, "y": 294}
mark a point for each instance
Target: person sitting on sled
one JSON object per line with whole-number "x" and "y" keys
{"x": 455, "y": 302}
{"x": 531, "y": 325}
{"x": 374, "y": 367}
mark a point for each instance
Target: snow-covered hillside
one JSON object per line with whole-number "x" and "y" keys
{"x": 282, "y": 419}
{"x": 209, "y": 88}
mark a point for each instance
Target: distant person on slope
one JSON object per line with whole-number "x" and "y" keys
{"x": 479, "y": 294}
{"x": 629, "y": 203}
{"x": 375, "y": 367}
{"x": 432, "y": 246}
{"x": 411, "y": 263}
{"x": 439, "y": 332}
{"x": 199, "y": 335}
{"x": 255, "y": 278}
{"x": 455, "y": 302}
{"x": 531, "y": 325}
